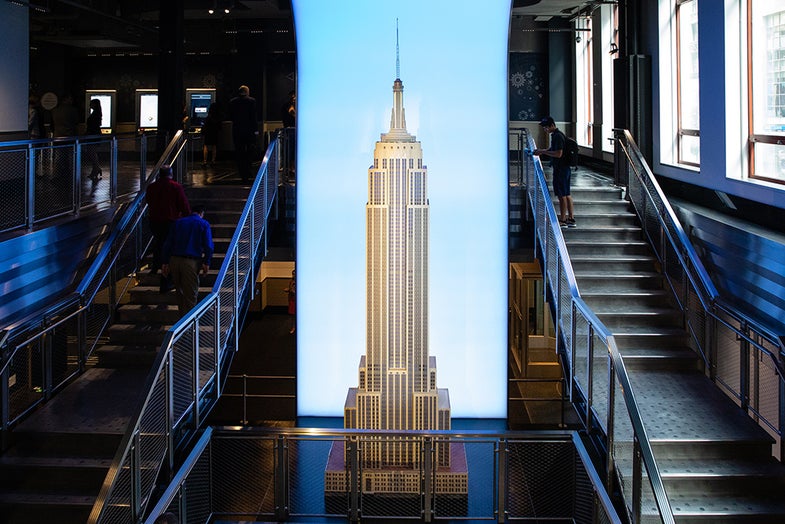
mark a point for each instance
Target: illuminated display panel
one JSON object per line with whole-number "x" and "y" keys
{"x": 106, "y": 98}
{"x": 199, "y": 101}
{"x": 455, "y": 103}
{"x": 147, "y": 109}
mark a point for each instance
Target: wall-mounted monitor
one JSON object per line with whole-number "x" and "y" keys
{"x": 147, "y": 109}
{"x": 107, "y": 98}
{"x": 199, "y": 101}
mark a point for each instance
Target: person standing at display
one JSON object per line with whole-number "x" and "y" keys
{"x": 187, "y": 250}
{"x": 561, "y": 170}
{"x": 166, "y": 202}
{"x": 211, "y": 129}
{"x": 244, "y": 130}
{"x": 93, "y": 127}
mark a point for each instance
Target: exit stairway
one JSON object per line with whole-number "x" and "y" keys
{"x": 61, "y": 454}
{"x": 715, "y": 461}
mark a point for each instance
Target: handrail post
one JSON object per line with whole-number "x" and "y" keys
{"x": 610, "y": 466}
{"x": 281, "y": 478}
{"x": 637, "y": 480}
{"x": 744, "y": 369}
{"x": 502, "y": 451}
{"x": 30, "y": 203}
{"x": 590, "y": 378}
{"x": 427, "y": 487}
{"x": 136, "y": 478}
{"x": 113, "y": 174}
{"x": 353, "y": 451}
{"x": 142, "y": 160}
{"x": 195, "y": 383}
{"x": 76, "y": 165}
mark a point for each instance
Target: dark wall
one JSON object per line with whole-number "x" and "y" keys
{"x": 270, "y": 77}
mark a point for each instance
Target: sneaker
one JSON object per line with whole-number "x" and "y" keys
{"x": 563, "y": 224}
{"x": 571, "y": 222}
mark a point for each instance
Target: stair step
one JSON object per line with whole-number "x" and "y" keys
{"x": 580, "y": 248}
{"x": 115, "y": 356}
{"x": 606, "y": 302}
{"x": 638, "y": 317}
{"x": 619, "y": 283}
{"x": 612, "y": 264}
{"x": 22, "y": 507}
{"x": 138, "y": 334}
{"x": 601, "y": 234}
{"x": 149, "y": 313}
{"x": 662, "y": 358}
{"x": 37, "y": 473}
{"x": 724, "y": 509}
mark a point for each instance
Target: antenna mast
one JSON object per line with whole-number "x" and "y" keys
{"x": 397, "y": 53}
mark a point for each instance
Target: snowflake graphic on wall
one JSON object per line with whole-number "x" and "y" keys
{"x": 518, "y": 79}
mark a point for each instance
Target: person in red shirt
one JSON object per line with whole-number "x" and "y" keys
{"x": 166, "y": 202}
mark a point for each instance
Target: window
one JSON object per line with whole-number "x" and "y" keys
{"x": 766, "y": 88}
{"x": 687, "y": 105}
{"x": 584, "y": 83}
{"x": 609, "y": 34}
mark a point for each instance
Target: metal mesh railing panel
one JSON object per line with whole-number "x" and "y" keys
{"x": 600, "y": 381}
{"x": 242, "y": 476}
{"x": 565, "y": 306}
{"x": 26, "y": 379}
{"x": 183, "y": 373}
{"x": 583, "y": 502}
{"x": 534, "y": 488}
{"x": 764, "y": 390}
{"x": 307, "y": 462}
{"x": 64, "y": 340}
{"x": 152, "y": 435}
{"x": 54, "y": 192}
{"x": 226, "y": 294}
{"x": 118, "y": 506}
{"x": 207, "y": 345}
{"x": 482, "y": 484}
{"x": 728, "y": 365}
{"x": 244, "y": 249}
{"x": 622, "y": 450}
{"x": 581, "y": 364}
{"x": 198, "y": 493}
{"x": 97, "y": 317}
{"x": 13, "y": 163}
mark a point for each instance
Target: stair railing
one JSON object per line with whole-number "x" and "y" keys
{"x": 597, "y": 374}
{"x": 742, "y": 357}
{"x": 186, "y": 378}
{"x": 44, "y": 351}
{"x": 48, "y": 175}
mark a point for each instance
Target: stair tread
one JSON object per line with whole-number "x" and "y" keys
{"x": 722, "y": 504}
{"x": 10, "y": 459}
{"x": 32, "y": 497}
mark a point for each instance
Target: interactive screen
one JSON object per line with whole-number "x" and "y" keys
{"x": 106, "y": 110}
{"x": 148, "y": 110}
{"x": 199, "y": 104}
{"x": 453, "y": 65}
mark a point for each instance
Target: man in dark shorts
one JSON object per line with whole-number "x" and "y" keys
{"x": 561, "y": 171}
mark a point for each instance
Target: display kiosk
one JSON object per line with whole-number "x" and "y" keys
{"x": 198, "y": 101}
{"x": 147, "y": 109}
{"x": 107, "y": 97}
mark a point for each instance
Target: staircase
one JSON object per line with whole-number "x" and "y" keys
{"x": 715, "y": 460}
{"x": 60, "y": 455}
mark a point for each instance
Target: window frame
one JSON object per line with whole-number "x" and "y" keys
{"x": 752, "y": 137}
{"x": 682, "y": 131}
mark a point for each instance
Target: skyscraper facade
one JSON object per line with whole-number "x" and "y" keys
{"x": 397, "y": 377}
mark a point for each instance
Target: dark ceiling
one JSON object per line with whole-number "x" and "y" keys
{"x": 131, "y": 26}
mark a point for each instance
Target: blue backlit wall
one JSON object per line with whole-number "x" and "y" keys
{"x": 453, "y": 63}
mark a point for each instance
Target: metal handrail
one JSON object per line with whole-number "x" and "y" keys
{"x": 187, "y": 372}
{"x": 627, "y": 155}
{"x": 547, "y": 234}
{"x": 199, "y": 462}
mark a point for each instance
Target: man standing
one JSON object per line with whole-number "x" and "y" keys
{"x": 188, "y": 248}
{"x": 244, "y": 130}
{"x": 166, "y": 202}
{"x": 561, "y": 170}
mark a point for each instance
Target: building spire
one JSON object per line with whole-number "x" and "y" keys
{"x": 397, "y": 53}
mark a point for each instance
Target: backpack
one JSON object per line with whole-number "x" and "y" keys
{"x": 570, "y": 150}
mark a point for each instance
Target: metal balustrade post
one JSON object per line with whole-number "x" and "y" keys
{"x": 195, "y": 384}
{"x": 637, "y": 480}
{"x": 427, "y": 486}
{"x": 744, "y": 368}
{"x": 76, "y": 164}
{"x": 136, "y": 478}
{"x": 113, "y": 175}
{"x": 610, "y": 468}
{"x": 30, "y": 203}
{"x": 502, "y": 451}
{"x": 589, "y": 378}
{"x": 169, "y": 400}
{"x": 142, "y": 160}
{"x": 281, "y": 478}
{"x": 217, "y": 344}
{"x": 353, "y": 451}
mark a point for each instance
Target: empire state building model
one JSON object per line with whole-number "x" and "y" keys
{"x": 397, "y": 378}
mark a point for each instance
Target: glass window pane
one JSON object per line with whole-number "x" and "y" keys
{"x": 690, "y": 149}
{"x": 689, "y": 116}
{"x": 770, "y": 161}
{"x": 768, "y": 67}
